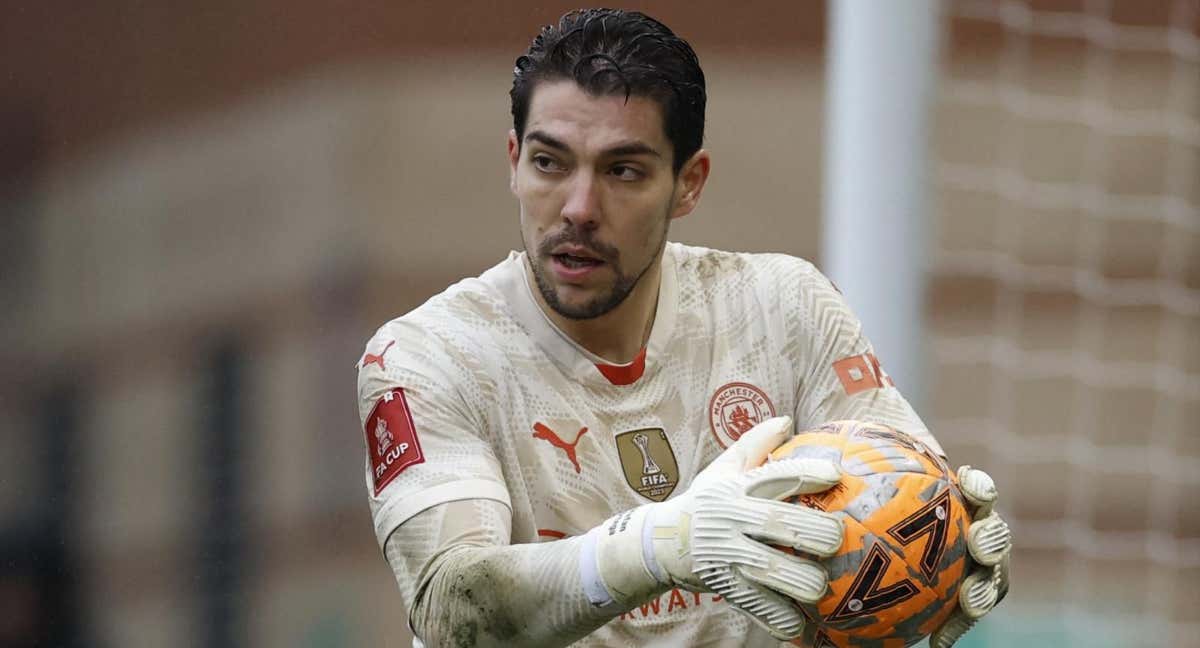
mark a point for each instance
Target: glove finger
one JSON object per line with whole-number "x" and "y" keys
{"x": 751, "y": 449}
{"x": 979, "y": 489}
{"x": 989, "y": 540}
{"x": 794, "y": 577}
{"x": 979, "y": 592}
{"x": 955, "y": 627}
{"x": 1002, "y": 578}
{"x": 768, "y": 609}
{"x": 794, "y": 525}
{"x": 790, "y": 477}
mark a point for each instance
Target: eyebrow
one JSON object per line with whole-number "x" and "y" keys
{"x": 630, "y": 148}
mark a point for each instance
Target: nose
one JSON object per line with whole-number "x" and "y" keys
{"x": 582, "y": 208}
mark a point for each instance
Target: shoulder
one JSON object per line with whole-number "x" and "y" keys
{"x": 444, "y": 339}
{"x": 769, "y": 274}
{"x": 463, "y": 315}
{"x": 473, "y": 307}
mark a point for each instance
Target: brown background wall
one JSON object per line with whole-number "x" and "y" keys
{"x": 82, "y": 72}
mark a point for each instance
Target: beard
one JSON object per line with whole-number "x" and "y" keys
{"x": 606, "y": 299}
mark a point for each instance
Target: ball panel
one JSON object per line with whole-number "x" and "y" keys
{"x": 886, "y": 588}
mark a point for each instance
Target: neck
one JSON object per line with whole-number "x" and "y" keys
{"x": 620, "y": 334}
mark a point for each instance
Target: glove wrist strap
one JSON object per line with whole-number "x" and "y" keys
{"x": 614, "y": 565}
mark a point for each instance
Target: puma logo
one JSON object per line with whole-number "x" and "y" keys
{"x": 371, "y": 358}
{"x": 546, "y": 434}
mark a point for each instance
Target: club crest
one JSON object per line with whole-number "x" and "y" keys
{"x": 648, "y": 462}
{"x": 735, "y": 408}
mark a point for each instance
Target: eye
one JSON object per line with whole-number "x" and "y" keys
{"x": 546, "y": 163}
{"x": 626, "y": 172}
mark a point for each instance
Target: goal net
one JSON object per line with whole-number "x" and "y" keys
{"x": 1066, "y": 306}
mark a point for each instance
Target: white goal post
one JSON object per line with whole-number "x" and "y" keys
{"x": 880, "y": 79}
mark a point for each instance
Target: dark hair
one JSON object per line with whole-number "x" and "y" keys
{"x": 609, "y": 51}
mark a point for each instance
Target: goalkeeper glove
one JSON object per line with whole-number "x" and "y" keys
{"x": 989, "y": 542}
{"x": 711, "y": 537}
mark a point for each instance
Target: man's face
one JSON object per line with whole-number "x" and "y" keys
{"x": 594, "y": 179}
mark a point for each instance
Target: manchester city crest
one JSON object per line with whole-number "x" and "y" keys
{"x": 735, "y": 408}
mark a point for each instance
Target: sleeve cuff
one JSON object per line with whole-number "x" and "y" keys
{"x": 398, "y": 510}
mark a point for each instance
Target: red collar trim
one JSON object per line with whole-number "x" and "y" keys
{"x": 625, "y": 374}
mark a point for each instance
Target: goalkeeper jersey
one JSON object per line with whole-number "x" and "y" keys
{"x": 477, "y": 395}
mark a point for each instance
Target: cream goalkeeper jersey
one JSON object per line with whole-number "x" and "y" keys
{"x": 477, "y": 395}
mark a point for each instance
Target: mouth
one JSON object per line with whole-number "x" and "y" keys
{"x": 576, "y": 258}
{"x": 574, "y": 264}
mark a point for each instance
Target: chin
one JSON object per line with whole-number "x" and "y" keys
{"x": 596, "y": 305}
{"x": 581, "y": 307}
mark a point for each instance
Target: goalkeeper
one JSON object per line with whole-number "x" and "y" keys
{"x": 565, "y": 449}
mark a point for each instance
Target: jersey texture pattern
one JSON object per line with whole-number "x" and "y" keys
{"x": 504, "y": 407}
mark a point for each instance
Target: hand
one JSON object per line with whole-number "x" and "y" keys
{"x": 711, "y": 537}
{"x": 989, "y": 542}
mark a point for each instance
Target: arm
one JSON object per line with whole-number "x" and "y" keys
{"x": 843, "y": 379}
{"x": 466, "y": 587}
{"x": 840, "y": 377}
{"x": 440, "y": 505}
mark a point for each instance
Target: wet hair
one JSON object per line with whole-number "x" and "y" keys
{"x": 614, "y": 52}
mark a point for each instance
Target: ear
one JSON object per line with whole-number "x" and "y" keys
{"x": 690, "y": 183}
{"x": 514, "y": 156}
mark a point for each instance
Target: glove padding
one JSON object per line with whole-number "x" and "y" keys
{"x": 989, "y": 542}
{"x": 710, "y": 537}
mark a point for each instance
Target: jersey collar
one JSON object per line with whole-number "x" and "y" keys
{"x": 581, "y": 364}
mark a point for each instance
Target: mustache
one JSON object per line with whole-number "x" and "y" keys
{"x": 580, "y": 237}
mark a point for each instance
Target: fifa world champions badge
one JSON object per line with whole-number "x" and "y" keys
{"x": 391, "y": 439}
{"x": 648, "y": 462}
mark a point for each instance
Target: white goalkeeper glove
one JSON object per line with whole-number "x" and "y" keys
{"x": 710, "y": 537}
{"x": 989, "y": 542}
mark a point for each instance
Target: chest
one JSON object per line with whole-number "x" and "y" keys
{"x": 575, "y": 454}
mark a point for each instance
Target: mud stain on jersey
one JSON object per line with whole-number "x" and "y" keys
{"x": 477, "y": 586}
{"x": 465, "y": 634}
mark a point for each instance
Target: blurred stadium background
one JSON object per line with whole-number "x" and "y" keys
{"x": 206, "y": 209}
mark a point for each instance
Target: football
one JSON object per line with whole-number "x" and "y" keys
{"x": 896, "y": 577}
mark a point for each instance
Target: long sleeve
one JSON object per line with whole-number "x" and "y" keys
{"x": 465, "y": 586}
